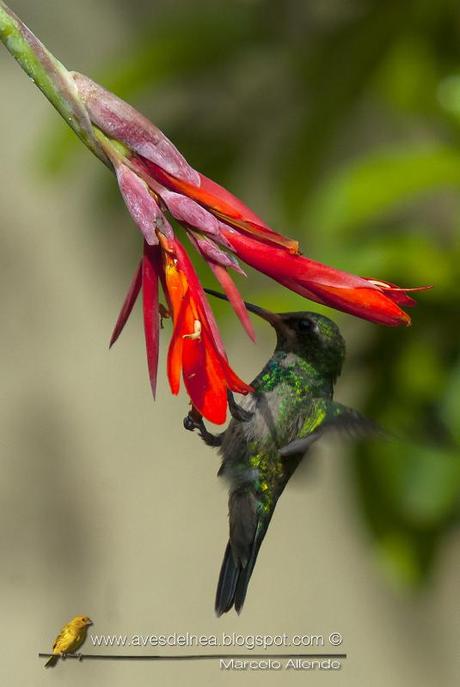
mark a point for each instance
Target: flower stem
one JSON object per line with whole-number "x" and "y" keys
{"x": 51, "y": 77}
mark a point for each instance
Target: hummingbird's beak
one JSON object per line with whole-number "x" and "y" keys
{"x": 271, "y": 317}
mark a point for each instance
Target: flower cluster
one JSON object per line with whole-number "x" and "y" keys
{"x": 156, "y": 183}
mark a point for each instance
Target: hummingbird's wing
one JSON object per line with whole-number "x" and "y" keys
{"x": 325, "y": 415}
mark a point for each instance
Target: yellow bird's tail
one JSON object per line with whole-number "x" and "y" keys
{"x": 51, "y": 661}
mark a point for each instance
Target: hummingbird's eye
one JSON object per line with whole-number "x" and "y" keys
{"x": 306, "y": 325}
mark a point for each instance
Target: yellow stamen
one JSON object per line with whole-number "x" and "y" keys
{"x": 196, "y": 331}
{"x": 165, "y": 244}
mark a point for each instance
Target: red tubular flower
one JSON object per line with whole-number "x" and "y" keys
{"x": 370, "y": 299}
{"x": 156, "y": 180}
{"x": 196, "y": 349}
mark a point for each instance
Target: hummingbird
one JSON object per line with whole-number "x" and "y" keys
{"x": 271, "y": 431}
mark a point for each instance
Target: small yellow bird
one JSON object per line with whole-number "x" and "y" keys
{"x": 70, "y": 638}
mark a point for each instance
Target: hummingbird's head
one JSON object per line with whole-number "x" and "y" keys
{"x": 314, "y": 337}
{"x": 310, "y": 335}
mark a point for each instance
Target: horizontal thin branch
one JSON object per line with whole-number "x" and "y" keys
{"x": 185, "y": 657}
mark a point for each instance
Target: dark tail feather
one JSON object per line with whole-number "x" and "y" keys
{"x": 228, "y": 579}
{"x": 234, "y": 579}
{"x": 51, "y": 661}
{"x": 246, "y": 572}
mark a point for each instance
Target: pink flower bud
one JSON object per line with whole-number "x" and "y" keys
{"x": 142, "y": 206}
{"x": 186, "y": 210}
{"x": 211, "y": 252}
{"x": 122, "y": 122}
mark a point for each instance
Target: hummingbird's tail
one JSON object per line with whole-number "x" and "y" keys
{"x": 228, "y": 579}
{"x": 234, "y": 576}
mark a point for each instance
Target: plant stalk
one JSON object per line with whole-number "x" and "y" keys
{"x": 51, "y": 77}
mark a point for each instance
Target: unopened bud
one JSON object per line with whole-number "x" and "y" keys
{"x": 142, "y": 205}
{"x": 122, "y": 122}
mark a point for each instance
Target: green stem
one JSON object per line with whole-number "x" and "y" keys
{"x": 51, "y": 77}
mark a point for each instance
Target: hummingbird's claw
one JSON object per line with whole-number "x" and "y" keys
{"x": 191, "y": 423}
{"x": 237, "y": 412}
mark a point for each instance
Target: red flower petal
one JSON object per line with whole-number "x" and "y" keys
{"x": 128, "y": 304}
{"x": 194, "y": 349}
{"x": 225, "y": 202}
{"x": 321, "y": 283}
{"x": 174, "y": 364}
{"x": 222, "y": 204}
{"x": 150, "y": 271}
{"x": 204, "y": 380}
{"x": 396, "y": 293}
{"x": 197, "y": 294}
{"x": 367, "y": 303}
{"x": 234, "y": 297}
{"x": 235, "y": 383}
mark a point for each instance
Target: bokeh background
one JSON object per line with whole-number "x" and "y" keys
{"x": 339, "y": 123}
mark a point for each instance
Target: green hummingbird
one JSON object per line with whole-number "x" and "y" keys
{"x": 271, "y": 431}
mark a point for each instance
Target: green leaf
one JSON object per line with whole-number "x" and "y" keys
{"x": 380, "y": 183}
{"x": 450, "y": 408}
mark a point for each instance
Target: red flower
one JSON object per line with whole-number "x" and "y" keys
{"x": 196, "y": 349}
{"x": 373, "y": 300}
{"x": 155, "y": 181}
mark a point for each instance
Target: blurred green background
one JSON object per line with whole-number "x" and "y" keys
{"x": 339, "y": 123}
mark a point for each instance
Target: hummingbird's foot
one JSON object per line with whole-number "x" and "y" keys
{"x": 191, "y": 422}
{"x": 79, "y": 655}
{"x": 236, "y": 411}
